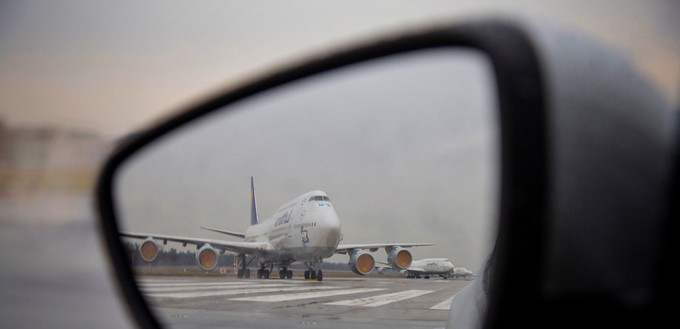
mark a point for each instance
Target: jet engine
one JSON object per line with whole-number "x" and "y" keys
{"x": 399, "y": 258}
{"x": 206, "y": 257}
{"x": 361, "y": 263}
{"x": 149, "y": 250}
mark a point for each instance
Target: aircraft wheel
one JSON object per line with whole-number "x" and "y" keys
{"x": 319, "y": 275}
{"x": 289, "y": 274}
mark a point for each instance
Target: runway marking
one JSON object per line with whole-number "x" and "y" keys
{"x": 201, "y": 284}
{"x": 208, "y": 288}
{"x": 305, "y": 295}
{"x": 380, "y": 300}
{"x": 234, "y": 291}
{"x": 445, "y": 305}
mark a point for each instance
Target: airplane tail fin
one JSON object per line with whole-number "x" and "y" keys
{"x": 253, "y": 204}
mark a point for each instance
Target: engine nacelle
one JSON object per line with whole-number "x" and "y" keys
{"x": 149, "y": 250}
{"x": 206, "y": 257}
{"x": 399, "y": 258}
{"x": 361, "y": 263}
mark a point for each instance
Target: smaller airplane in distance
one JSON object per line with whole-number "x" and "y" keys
{"x": 462, "y": 273}
{"x": 421, "y": 268}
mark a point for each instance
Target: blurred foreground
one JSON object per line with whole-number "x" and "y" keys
{"x": 54, "y": 272}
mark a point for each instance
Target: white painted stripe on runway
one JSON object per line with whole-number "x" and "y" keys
{"x": 380, "y": 300}
{"x": 237, "y": 291}
{"x": 145, "y": 281}
{"x": 196, "y": 284}
{"x": 208, "y": 288}
{"x": 445, "y": 305}
{"x": 306, "y": 295}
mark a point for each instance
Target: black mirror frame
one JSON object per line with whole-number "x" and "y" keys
{"x": 524, "y": 155}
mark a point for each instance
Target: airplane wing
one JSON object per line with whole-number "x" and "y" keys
{"x": 232, "y": 233}
{"x": 345, "y": 248}
{"x": 238, "y": 247}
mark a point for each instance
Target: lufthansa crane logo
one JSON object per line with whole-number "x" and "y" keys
{"x": 305, "y": 236}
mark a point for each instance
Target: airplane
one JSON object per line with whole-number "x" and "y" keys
{"x": 423, "y": 267}
{"x": 305, "y": 229}
{"x": 462, "y": 272}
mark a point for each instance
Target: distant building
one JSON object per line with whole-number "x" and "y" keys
{"x": 36, "y": 160}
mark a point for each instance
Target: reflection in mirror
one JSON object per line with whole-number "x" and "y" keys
{"x": 391, "y": 152}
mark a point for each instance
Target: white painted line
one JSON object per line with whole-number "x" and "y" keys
{"x": 152, "y": 290}
{"x": 197, "y": 284}
{"x": 231, "y": 292}
{"x": 145, "y": 280}
{"x": 305, "y": 295}
{"x": 445, "y": 305}
{"x": 380, "y": 300}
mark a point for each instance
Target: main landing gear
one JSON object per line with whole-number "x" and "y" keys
{"x": 285, "y": 273}
{"x": 314, "y": 275}
{"x": 263, "y": 273}
{"x": 243, "y": 271}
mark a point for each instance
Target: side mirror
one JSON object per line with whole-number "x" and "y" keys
{"x": 390, "y": 114}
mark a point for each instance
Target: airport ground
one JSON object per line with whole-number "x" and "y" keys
{"x": 339, "y": 301}
{"x": 57, "y": 276}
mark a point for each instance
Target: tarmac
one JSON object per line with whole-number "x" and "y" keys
{"x": 335, "y": 302}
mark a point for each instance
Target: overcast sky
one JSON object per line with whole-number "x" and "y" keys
{"x": 113, "y": 67}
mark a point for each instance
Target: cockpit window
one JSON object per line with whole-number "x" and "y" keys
{"x": 319, "y": 198}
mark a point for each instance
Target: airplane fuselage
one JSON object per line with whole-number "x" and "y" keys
{"x": 432, "y": 266}
{"x": 303, "y": 229}
{"x": 423, "y": 267}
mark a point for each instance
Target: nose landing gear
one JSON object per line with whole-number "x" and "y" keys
{"x": 313, "y": 271}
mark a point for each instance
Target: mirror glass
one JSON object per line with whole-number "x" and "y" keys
{"x": 381, "y": 156}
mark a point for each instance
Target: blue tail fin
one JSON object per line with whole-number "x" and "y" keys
{"x": 253, "y": 204}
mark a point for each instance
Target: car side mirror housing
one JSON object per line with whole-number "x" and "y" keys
{"x": 568, "y": 157}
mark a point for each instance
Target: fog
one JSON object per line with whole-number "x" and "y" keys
{"x": 405, "y": 148}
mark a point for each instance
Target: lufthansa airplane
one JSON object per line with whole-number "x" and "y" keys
{"x": 305, "y": 229}
{"x": 423, "y": 267}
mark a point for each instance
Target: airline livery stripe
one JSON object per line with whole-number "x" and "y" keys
{"x": 380, "y": 300}
{"x": 305, "y": 295}
{"x": 445, "y": 305}
{"x": 232, "y": 292}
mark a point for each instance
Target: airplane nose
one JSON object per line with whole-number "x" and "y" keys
{"x": 334, "y": 232}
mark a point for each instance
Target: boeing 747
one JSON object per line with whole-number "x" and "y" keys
{"x": 305, "y": 229}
